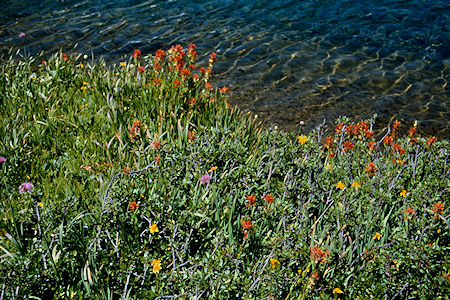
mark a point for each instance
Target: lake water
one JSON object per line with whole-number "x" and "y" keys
{"x": 287, "y": 61}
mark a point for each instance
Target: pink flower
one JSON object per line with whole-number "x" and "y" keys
{"x": 2, "y": 159}
{"x": 205, "y": 179}
{"x": 302, "y": 122}
{"x": 22, "y": 34}
{"x": 26, "y": 187}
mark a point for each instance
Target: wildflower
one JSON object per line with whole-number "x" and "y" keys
{"x": 212, "y": 57}
{"x": 81, "y": 66}
{"x": 133, "y": 205}
{"x": 26, "y": 187}
{"x": 372, "y": 146}
{"x": 409, "y": 212}
{"x": 431, "y": 140}
{"x": 192, "y": 101}
{"x": 185, "y": 72}
{"x": 403, "y": 193}
{"x": 302, "y": 139}
{"x": 437, "y": 209}
{"x": 224, "y": 90}
{"x": 156, "y": 264}
{"x": 396, "y": 125}
{"x": 377, "y": 236}
{"x": 157, "y": 159}
{"x": 191, "y": 136}
{"x": 356, "y": 185}
{"x": 251, "y": 200}
{"x": 136, "y": 53}
{"x": 176, "y": 83}
{"x": 387, "y": 140}
{"x": 140, "y": 70}
{"x": 85, "y": 56}
{"x": 371, "y": 168}
{"x": 269, "y": 198}
{"x": 275, "y": 262}
{"x": 205, "y": 179}
{"x": 318, "y": 255}
{"x": 331, "y": 154}
{"x": 156, "y": 82}
{"x": 398, "y": 148}
{"x": 159, "y": 55}
{"x": 40, "y": 204}
{"x": 302, "y": 123}
{"x": 299, "y": 271}
{"x": 412, "y": 132}
{"x": 156, "y": 145}
{"x": 245, "y": 234}
{"x": 246, "y": 224}
{"x": 2, "y": 159}
{"x": 328, "y": 142}
{"x": 337, "y": 291}
{"x": 340, "y": 185}
{"x": 154, "y": 228}
{"x": 65, "y": 58}
{"x": 22, "y": 34}
{"x": 315, "y": 276}
{"x": 339, "y": 128}
{"x": 348, "y": 145}
{"x": 212, "y": 169}
{"x": 329, "y": 167}
{"x": 123, "y": 64}
{"x": 44, "y": 62}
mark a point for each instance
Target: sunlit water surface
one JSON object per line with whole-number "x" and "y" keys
{"x": 287, "y": 61}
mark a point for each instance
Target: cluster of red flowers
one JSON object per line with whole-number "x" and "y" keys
{"x": 136, "y": 53}
{"x": 156, "y": 145}
{"x": 191, "y": 136}
{"x": 251, "y": 200}
{"x": 133, "y": 205}
{"x": 269, "y": 198}
{"x": 389, "y": 140}
{"x": 371, "y": 168}
{"x": 246, "y": 225}
{"x": 65, "y": 58}
{"x": 437, "y": 209}
{"x": 134, "y": 130}
{"x": 318, "y": 255}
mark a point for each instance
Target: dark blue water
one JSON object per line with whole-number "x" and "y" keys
{"x": 285, "y": 60}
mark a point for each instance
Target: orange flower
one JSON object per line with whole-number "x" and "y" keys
{"x": 136, "y": 53}
{"x": 224, "y": 90}
{"x": 396, "y": 125}
{"x": 156, "y": 145}
{"x": 412, "y": 132}
{"x": 318, "y": 255}
{"x": 372, "y": 146}
{"x": 157, "y": 159}
{"x": 192, "y": 101}
{"x": 212, "y": 57}
{"x": 159, "y": 55}
{"x": 191, "y": 136}
{"x": 437, "y": 209}
{"x": 246, "y": 224}
{"x": 431, "y": 140}
{"x": 387, "y": 140}
{"x": 156, "y": 82}
{"x": 348, "y": 145}
{"x": 371, "y": 168}
{"x": 245, "y": 234}
{"x": 328, "y": 142}
{"x": 398, "y": 148}
{"x": 269, "y": 198}
{"x": 251, "y": 200}
{"x": 339, "y": 128}
{"x": 140, "y": 70}
{"x": 176, "y": 83}
{"x": 133, "y": 205}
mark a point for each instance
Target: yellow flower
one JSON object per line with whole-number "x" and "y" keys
{"x": 123, "y": 64}
{"x": 81, "y": 66}
{"x": 212, "y": 169}
{"x": 307, "y": 270}
{"x": 85, "y": 56}
{"x": 156, "y": 264}
{"x": 299, "y": 271}
{"x": 356, "y": 185}
{"x": 403, "y": 193}
{"x": 86, "y": 104}
{"x": 275, "y": 262}
{"x": 340, "y": 185}
{"x": 302, "y": 139}
{"x": 337, "y": 291}
{"x": 85, "y": 83}
{"x": 377, "y": 236}
{"x": 40, "y": 204}
{"x": 154, "y": 228}
{"x": 329, "y": 167}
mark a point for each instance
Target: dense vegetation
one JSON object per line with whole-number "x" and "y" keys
{"x": 140, "y": 181}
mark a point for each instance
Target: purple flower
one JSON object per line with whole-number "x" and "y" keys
{"x": 26, "y": 187}
{"x": 22, "y": 34}
{"x": 205, "y": 179}
{"x": 302, "y": 122}
{"x": 2, "y": 159}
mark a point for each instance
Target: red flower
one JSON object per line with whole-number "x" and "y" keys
{"x": 318, "y": 255}
{"x": 372, "y": 146}
{"x": 224, "y": 90}
{"x": 387, "y": 140}
{"x": 369, "y": 134}
{"x": 269, "y": 198}
{"x": 251, "y": 200}
{"x": 348, "y": 145}
{"x": 157, "y": 67}
{"x": 328, "y": 142}
{"x": 191, "y": 136}
{"x": 437, "y": 209}
{"x": 245, "y": 234}
{"x": 156, "y": 82}
{"x": 176, "y": 83}
{"x": 140, "y": 70}
{"x": 137, "y": 53}
{"x": 44, "y": 62}
{"x": 212, "y": 57}
{"x": 192, "y": 101}
{"x": 431, "y": 140}
{"x": 331, "y": 154}
{"x": 65, "y": 58}
{"x": 412, "y": 132}
{"x": 409, "y": 211}
{"x": 133, "y": 205}
{"x": 396, "y": 125}
{"x": 157, "y": 159}
{"x": 185, "y": 72}
{"x": 160, "y": 54}
{"x": 246, "y": 224}
{"x": 202, "y": 70}
{"x": 156, "y": 145}
{"x": 371, "y": 168}
{"x": 209, "y": 86}
{"x": 339, "y": 127}
{"x": 398, "y": 148}
{"x": 351, "y": 129}
{"x": 195, "y": 76}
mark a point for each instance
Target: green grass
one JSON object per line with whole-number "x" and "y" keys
{"x": 114, "y": 154}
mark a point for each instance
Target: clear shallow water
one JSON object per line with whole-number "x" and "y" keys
{"x": 285, "y": 60}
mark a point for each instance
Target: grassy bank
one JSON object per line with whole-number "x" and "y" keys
{"x": 140, "y": 181}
